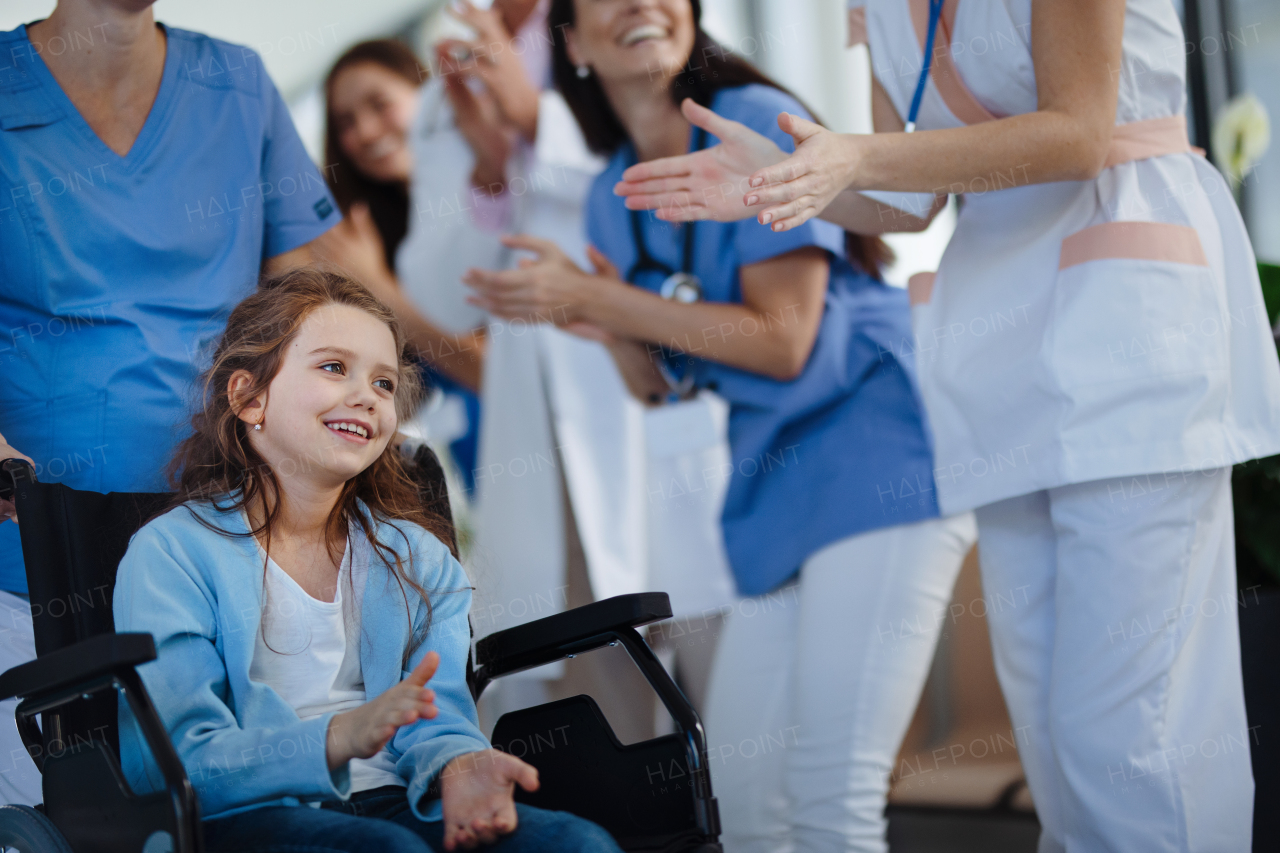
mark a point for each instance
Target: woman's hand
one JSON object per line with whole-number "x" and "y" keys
{"x": 801, "y": 186}
{"x": 7, "y": 509}
{"x": 548, "y": 289}
{"x": 361, "y": 732}
{"x": 478, "y": 118}
{"x": 355, "y": 245}
{"x": 490, "y": 58}
{"x": 477, "y": 793}
{"x": 707, "y": 184}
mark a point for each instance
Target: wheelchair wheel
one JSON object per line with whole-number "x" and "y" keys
{"x": 24, "y": 829}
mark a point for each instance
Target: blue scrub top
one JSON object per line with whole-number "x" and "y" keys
{"x": 117, "y": 273}
{"x": 843, "y": 448}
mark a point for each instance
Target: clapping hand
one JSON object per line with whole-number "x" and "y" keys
{"x": 491, "y": 59}
{"x": 362, "y": 731}
{"x": 745, "y": 174}
{"x": 548, "y": 288}
{"x": 706, "y": 184}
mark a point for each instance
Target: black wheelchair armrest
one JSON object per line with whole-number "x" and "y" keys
{"x": 78, "y": 664}
{"x": 579, "y": 630}
{"x": 12, "y": 472}
{"x": 105, "y": 662}
{"x": 604, "y": 623}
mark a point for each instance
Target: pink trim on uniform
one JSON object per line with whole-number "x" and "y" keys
{"x": 945, "y": 75}
{"x": 1155, "y": 137}
{"x": 1140, "y": 241}
{"x": 857, "y": 25}
{"x": 920, "y": 287}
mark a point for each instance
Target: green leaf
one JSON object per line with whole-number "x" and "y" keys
{"x": 1270, "y": 275}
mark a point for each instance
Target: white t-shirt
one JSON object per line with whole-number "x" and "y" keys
{"x": 311, "y": 654}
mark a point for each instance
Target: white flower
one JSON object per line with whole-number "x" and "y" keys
{"x": 1240, "y": 136}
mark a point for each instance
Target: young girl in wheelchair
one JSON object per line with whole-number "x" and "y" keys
{"x": 310, "y": 621}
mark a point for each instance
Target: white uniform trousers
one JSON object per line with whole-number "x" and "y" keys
{"x": 20, "y": 781}
{"x": 814, "y": 686}
{"x": 1123, "y": 661}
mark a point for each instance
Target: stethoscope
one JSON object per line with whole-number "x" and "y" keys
{"x": 678, "y": 285}
{"x": 935, "y": 13}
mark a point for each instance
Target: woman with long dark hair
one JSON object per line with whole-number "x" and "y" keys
{"x": 830, "y": 522}
{"x": 370, "y": 95}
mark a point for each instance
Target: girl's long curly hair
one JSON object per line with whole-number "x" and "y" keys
{"x": 218, "y": 464}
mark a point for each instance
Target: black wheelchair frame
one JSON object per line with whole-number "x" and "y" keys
{"x": 73, "y": 542}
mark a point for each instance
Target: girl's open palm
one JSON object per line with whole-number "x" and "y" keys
{"x": 477, "y": 794}
{"x": 707, "y": 184}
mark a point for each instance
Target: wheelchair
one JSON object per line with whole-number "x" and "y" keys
{"x": 651, "y": 796}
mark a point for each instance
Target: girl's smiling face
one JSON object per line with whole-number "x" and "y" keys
{"x": 330, "y": 410}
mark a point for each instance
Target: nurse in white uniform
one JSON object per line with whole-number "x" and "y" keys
{"x": 1094, "y": 357}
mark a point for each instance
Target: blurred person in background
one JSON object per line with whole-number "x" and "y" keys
{"x": 562, "y": 513}
{"x": 371, "y": 94}
{"x": 151, "y": 174}
{"x": 831, "y": 522}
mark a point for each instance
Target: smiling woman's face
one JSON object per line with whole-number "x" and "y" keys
{"x": 371, "y": 108}
{"x": 626, "y": 40}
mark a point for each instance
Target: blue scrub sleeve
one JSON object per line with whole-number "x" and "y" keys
{"x": 758, "y": 107}
{"x": 596, "y": 211}
{"x": 297, "y": 203}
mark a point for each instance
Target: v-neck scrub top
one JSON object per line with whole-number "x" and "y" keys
{"x": 117, "y": 273}
{"x": 1079, "y": 330}
{"x": 841, "y": 449}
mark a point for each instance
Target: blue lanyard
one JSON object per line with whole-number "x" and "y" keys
{"x": 935, "y": 12}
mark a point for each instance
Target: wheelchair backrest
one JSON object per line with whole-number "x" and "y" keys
{"x": 72, "y": 543}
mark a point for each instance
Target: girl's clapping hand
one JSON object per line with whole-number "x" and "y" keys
{"x": 361, "y": 732}
{"x": 477, "y": 792}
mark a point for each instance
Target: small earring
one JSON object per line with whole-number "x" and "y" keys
{"x": 257, "y": 426}
{"x": 584, "y": 71}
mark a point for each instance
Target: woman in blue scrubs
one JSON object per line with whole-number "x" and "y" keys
{"x": 831, "y": 523}
{"x": 149, "y": 174}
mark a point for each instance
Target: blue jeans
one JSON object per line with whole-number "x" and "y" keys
{"x": 379, "y": 821}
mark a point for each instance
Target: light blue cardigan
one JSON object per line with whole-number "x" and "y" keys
{"x": 199, "y": 593}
